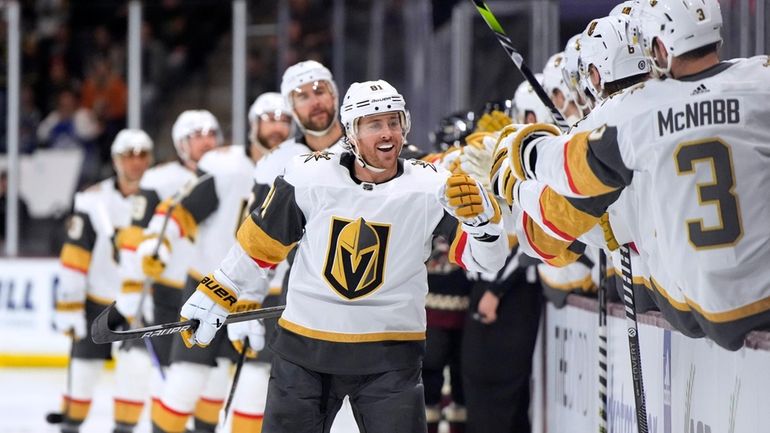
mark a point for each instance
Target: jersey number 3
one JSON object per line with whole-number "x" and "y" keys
{"x": 719, "y": 192}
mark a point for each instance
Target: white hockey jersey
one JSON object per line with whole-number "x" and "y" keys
{"x": 359, "y": 274}
{"x": 702, "y": 142}
{"x": 210, "y": 214}
{"x": 160, "y": 183}
{"x": 88, "y": 257}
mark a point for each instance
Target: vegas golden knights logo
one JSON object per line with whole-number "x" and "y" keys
{"x": 355, "y": 261}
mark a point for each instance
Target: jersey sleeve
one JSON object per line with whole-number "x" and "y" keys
{"x": 75, "y": 260}
{"x": 272, "y": 230}
{"x": 185, "y": 216}
{"x": 264, "y": 240}
{"x": 127, "y": 239}
{"x": 486, "y": 254}
{"x": 583, "y": 164}
{"x": 563, "y": 218}
{"x": 258, "y": 194}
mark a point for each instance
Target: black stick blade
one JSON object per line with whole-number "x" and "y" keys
{"x": 101, "y": 333}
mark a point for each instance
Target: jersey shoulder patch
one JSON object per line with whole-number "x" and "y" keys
{"x": 423, "y": 164}
{"x": 317, "y": 156}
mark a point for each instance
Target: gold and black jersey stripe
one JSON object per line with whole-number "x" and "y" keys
{"x": 201, "y": 202}
{"x": 79, "y": 243}
{"x": 259, "y": 193}
{"x": 150, "y": 201}
{"x": 593, "y": 163}
{"x": 272, "y": 230}
{"x": 555, "y": 252}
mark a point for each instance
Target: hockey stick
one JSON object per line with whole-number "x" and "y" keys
{"x": 146, "y": 285}
{"x": 237, "y": 376}
{"x": 602, "y": 331}
{"x": 633, "y": 338}
{"x": 102, "y": 334}
{"x": 518, "y": 60}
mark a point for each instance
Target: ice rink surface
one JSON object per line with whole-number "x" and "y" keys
{"x": 28, "y": 394}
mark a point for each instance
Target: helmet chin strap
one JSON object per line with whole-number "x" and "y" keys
{"x": 362, "y": 162}
{"x": 312, "y": 132}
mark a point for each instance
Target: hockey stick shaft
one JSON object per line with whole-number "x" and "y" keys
{"x": 175, "y": 200}
{"x": 238, "y": 368}
{"x": 102, "y": 334}
{"x": 518, "y": 60}
{"x": 633, "y": 338}
{"x": 602, "y": 331}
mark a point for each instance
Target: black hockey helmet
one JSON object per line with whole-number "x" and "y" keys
{"x": 452, "y": 130}
{"x": 504, "y": 105}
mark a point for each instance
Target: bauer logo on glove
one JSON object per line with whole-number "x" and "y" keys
{"x": 223, "y": 294}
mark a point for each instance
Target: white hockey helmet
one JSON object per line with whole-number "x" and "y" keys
{"x": 623, "y": 8}
{"x": 571, "y": 73}
{"x": 367, "y": 99}
{"x": 266, "y": 104}
{"x": 308, "y": 71}
{"x": 131, "y": 140}
{"x": 553, "y": 79}
{"x": 190, "y": 122}
{"x": 526, "y": 100}
{"x": 606, "y": 45}
{"x": 681, "y": 25}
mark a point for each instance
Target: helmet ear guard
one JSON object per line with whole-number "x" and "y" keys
{"x": 680, "y": 25}
{"x": 368, "y": 99}
{"x": 609, "y": 45}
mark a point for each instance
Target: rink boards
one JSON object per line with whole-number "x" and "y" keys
{"x": 691, "y": 386}
{"x": 26, "y": 309}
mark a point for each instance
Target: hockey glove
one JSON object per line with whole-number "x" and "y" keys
{"x": 518, "y": 139}
{"x": 254, "y": 329}
{"x": 210, "y": 304}
{"x": 494, "y": 121}
{"x": 466, "y": 199}
{"x": 153, "y": 264}
{"x": 505, "y": 183}
{"x": 70, "y": 318}
{"x": 127, "y": 302}
{"x": 476, "y": 159}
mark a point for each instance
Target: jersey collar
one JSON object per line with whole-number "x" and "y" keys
{"x": 348, "y": 160}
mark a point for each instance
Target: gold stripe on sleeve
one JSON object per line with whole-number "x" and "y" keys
{"x": 259, "y": 245}
{"x": 75, "y": 257}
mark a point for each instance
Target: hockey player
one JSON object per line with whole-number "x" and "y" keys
{"x": 310, "y": 93}
{"x": 571, "y": 73}
{"x": 658, "y": 134}
{"x": 90, "y": 281}
{"x": 613, "y": 63}
{"x": 269, "y": 124}
{"x": 355, "y": 317}
{"x": 208, "y": 216}
{"x": 556, "y": 88}
{"x": 194, "y": 133}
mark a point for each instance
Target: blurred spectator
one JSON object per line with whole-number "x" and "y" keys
{"x": 29, "y": 120}
{"x": 72, "y": 126}
{"x": 106, "y": 94}
{"x": 104, "y": 48}
{"x": 59, "y": 79}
